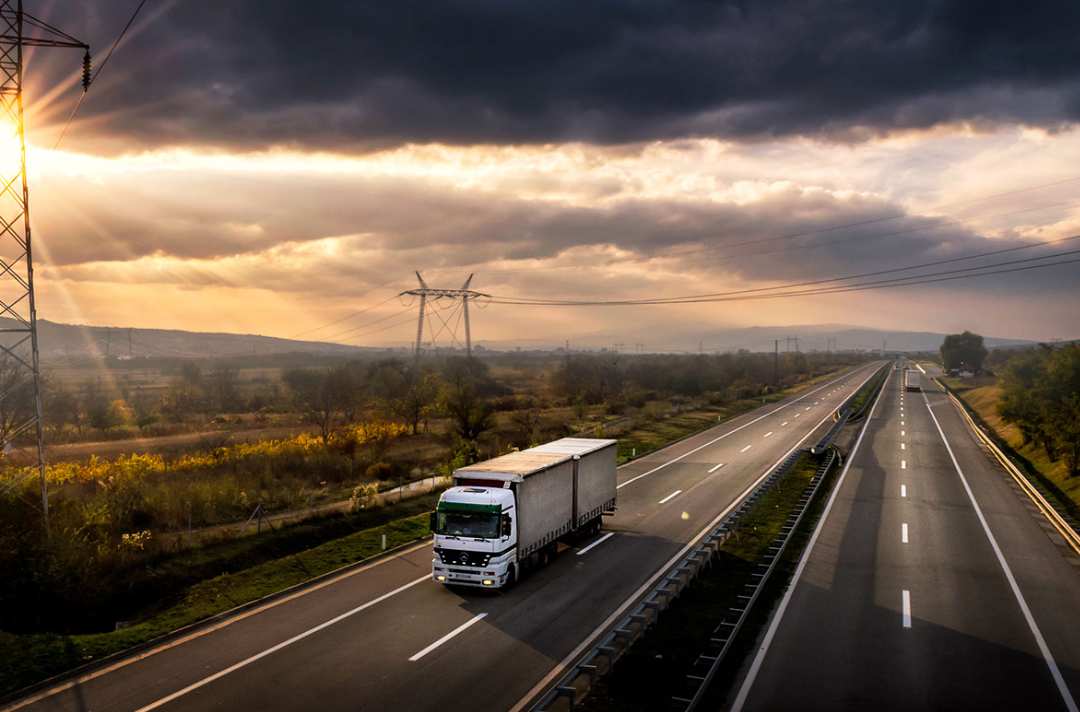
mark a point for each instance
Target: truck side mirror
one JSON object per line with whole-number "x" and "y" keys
{"x": 432, "y": 521}
{"x": 507, "y": 527}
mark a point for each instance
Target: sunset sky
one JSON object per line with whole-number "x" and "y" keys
{"x": 271, "y": 168}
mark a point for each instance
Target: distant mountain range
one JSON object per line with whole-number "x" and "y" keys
{"x": 74, "y": 341}
{"x": 814, "y": 337}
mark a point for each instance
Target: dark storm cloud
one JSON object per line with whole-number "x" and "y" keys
{"x": 260, "y": 232}
{"x": 362, "y": 75}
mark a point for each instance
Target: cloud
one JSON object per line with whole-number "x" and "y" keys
{"x": 359, "y": 76}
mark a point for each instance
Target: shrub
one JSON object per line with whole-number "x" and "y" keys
{"x": 381, "y": 471}
{"x": 363, "y": 497}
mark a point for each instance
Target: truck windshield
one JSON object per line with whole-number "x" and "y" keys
{"x": 477, "y": 524}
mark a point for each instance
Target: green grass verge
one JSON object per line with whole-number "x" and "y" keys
{"x": 31, "y": 658}
{"x": 869, "y": 389}
{"x": 658, "y": 434}
{"x": 656, "y": 666}
{"x": 981, "y": 396}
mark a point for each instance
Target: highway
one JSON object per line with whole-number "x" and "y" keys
{"x": 384, "y": 636}
{"x": 929, "y": 584}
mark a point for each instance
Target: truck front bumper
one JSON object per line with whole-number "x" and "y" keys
{"x": 461, "y": 576}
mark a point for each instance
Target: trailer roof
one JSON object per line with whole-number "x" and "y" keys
{"x": 526, "y": 462}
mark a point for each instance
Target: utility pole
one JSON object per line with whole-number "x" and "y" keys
{"x": 776, "y": 362}
{"x": 16, "y": 251}
{"x": 129, "y": 343}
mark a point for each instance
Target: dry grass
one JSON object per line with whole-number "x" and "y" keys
{"x": 981, "y": 395}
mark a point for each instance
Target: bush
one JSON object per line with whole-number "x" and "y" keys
{"x": 381, "y": 471}
{"x": 363, "y": 497}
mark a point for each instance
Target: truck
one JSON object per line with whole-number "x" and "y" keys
{"x": 911, "y": 380}
{"x": 506, "y": 515}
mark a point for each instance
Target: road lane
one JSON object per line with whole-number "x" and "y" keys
{"x": 930, "y": 620}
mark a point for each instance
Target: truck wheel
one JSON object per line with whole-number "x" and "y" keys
{"x": 511, "y": 578}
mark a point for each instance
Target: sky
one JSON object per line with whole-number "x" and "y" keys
{"x": 284, "y": 168}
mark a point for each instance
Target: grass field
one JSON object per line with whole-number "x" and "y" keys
{"x": 981, "y": 396}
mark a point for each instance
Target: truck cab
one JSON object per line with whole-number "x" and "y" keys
{"x": 475, "y": 532}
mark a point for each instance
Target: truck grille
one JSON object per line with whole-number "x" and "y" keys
{"x": 463, "y": 558}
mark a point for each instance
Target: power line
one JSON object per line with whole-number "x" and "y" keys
{"x": 87, "y": 81}
{"x": 704, "y": 297}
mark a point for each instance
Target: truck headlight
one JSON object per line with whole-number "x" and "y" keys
{"x": 489, "y": 582}
{"x": 440, "y": 578}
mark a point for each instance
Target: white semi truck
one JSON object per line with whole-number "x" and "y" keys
{"x": 911, "y": 380}
{"x": 506, "y": 514}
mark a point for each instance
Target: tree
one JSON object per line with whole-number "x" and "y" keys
{"x": 469, "y": 413}
{"x": 962, "y": 348}
{"x": 408, "y": 395}
{"x": 525, "y": 422}
{"x": 221, "y": 388}
{"x": 142, "y": 410}
{"x": 317, "y": 394}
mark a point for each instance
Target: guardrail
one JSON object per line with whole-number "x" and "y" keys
{"x": 823, "y": 444}
{"x": 582, "y": 678}
{"x": 1060, "y": 520}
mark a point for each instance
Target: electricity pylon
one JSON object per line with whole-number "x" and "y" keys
{"x": 464, "y": 294}
{"x": 22, "y": 373}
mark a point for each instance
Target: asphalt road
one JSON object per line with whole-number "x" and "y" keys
{"x": 905, "y": 600}
{"x": 386, "y": 637}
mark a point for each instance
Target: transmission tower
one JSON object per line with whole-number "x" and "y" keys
{"x": 424, "y": 292}
{"x": 20, "y": 392}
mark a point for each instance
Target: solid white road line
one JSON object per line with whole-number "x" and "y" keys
{"x": 907, "y": 608}
{"x": 1070, "y": 703}
{"x": 279, "y": 646}
{"x": 565, "y": 663}
{"x": 903, "y": 532}
{"x": 903, "y": 490}
{"x": 767, "y": 434}
{"x": 671, "y": 496}
{"x": 746, "y": 448}
{"x": 447, "y": 637}
{"x": 597, "y": 542}
{"x": 716, "y": 468}
{"x": 759, "y": 658}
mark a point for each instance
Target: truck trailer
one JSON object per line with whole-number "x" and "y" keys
{"x": 506, "y": 515}
{"x": 911, "y": 380}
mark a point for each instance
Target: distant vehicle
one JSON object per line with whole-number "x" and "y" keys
{"x": 507, "y": 514}
{"x": 896, "y": 367}
{"x": 911, "y": 381}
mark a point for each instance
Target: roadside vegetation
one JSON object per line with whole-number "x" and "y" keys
{"x": 1033, "y": 407}
{"x": 119, "y": 551}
